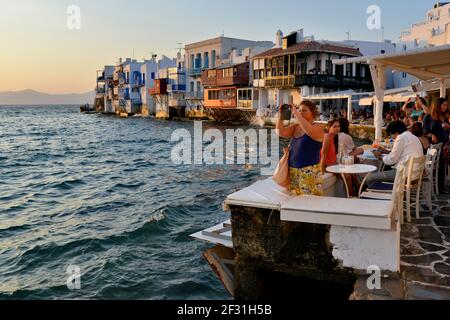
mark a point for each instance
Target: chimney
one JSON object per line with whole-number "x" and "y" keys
{"x": 279, "y": 39}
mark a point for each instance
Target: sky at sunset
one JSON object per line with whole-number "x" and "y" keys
{"x": 39, "y": 52}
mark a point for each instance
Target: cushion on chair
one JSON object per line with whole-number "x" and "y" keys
{"x": 383, "y": 187}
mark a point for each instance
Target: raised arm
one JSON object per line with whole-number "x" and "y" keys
{"x": 314, "y": 131}
{"x": 285, "y": 132}
{"x": 405, "y": 106}
{"x": 425, "y": 108}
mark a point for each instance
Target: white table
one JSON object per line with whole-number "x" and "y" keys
{"x": 360, "y": 169}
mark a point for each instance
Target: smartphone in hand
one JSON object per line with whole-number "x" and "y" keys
{"x": 285, "y": 112}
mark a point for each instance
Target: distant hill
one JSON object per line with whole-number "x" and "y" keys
{"x": 27, "y": 97}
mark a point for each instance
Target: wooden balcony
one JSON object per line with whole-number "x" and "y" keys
{"x": 160, "y": 87}
{"x": 237, "y": 75}
{"x": 318, "y": 80}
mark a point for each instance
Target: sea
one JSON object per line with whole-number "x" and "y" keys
{"x": 93, "y": 207}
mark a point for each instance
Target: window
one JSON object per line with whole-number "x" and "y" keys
{"x": 213, "y": 58}
{"x": 198, "y": 61}
{"x": 404, "y": 75}
{"x": 304, "y": 68}
{"x": 152, "y": 76}
{"x": 192, "y": 86}
{"x": 256, "y": 74}
{"x": 192, "y": 61}
{"x": 358, "y": 70}
{"x": 199, "y": 86}
{"x": 318, "y": 66}
{"x": 143, "y": 79}
{"x": 349, "y": 71}
{"x": 404, "y": 47}
{"x": 206, "y": 59}
{"x": 329, "y": 67}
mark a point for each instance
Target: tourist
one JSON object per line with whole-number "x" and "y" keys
{"x": 330, "y": 145}
{"x": 346, "y": 140}
{"x": 417, "y": 130}
{"x": 306, "y": 144}
{"x": 419, "y": 109}
{"x": 406, "y": 145}
{"x": 438, "y": 130}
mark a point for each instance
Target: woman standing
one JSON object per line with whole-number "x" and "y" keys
{"x": 439, "y": 132}
{"x": 304, "y": 155}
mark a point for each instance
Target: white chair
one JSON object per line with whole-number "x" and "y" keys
{"x": 438, "y": 147}
{"x": 414, "y": 183}
{"x": 428, "y": 178}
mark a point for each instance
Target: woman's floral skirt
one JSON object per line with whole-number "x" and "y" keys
{"x": 306, "y": 181}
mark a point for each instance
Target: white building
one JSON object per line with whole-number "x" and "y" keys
{"x": 104, "y": 82}
{"x": 149, "y": 72}
{"x": 434, "y": 31}
{"x": 211, "y": 53}
{"x": 303, "y": 67}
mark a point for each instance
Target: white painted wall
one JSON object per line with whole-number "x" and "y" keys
{"x": 361, "y": 248}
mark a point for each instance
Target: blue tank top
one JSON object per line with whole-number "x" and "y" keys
{"x": 305, "y": 152}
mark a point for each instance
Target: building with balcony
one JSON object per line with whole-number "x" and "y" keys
{"x": 212, "y": 53}
{"x": 221, "y": 92}
{"x": 149, "y": 71}
{"x": 432, "y": 32}
{"x": 169, "y": 88}
{"x": 104, "y": 83}
{"x": 300, "y": 66}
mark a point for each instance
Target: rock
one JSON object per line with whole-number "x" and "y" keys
{"x": 442, "y": 221}
{"x": 429, "y": 234}
{"x": 411, "y": 250}
{"x": 415, "y": 291}
{"x": 442, "y": 268}
{"x": 424, "y": 275}
{"x": 422, "y": 260}
{"x": 431, "y": 247}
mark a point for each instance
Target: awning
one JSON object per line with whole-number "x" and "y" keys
{"x": 395, "y": 95}
{"x": 424, "y": 63}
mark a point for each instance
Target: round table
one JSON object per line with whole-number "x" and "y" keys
{"x": 353, "y": 169}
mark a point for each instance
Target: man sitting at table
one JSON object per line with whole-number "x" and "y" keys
{"x": 406, "y": 145}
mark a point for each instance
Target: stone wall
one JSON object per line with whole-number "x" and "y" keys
{"x": 275, "y": 259}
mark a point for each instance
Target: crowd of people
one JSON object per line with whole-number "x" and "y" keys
{"x": 314, "y": 146}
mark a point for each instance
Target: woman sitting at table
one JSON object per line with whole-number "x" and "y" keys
{"x": 306, "y": 144}
{"x": 346, "y": 140}
{"x": 330, "y": 145}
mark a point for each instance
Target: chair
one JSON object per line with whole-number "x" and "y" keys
{"x": 438, "y": 147}
{"x": 428, "y": 178}
{"x": 414, "y": 183}
{"x": 415, "y": 167}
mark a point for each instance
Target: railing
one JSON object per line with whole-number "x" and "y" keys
{"x": 195, "y": 72}
{"x": 176, "y": 87}
{"x": 245, "y": 104}
{"x": 418, "y": 24}
{"x": 317, "y": 80}
{"x": 196, "y": 95}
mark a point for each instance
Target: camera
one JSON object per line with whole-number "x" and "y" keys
{"x": 285, "y": 112}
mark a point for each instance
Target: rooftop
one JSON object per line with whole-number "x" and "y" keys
{"x": 310, "y": 46}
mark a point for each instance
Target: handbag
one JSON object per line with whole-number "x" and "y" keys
{"x": 281, "y": 175}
